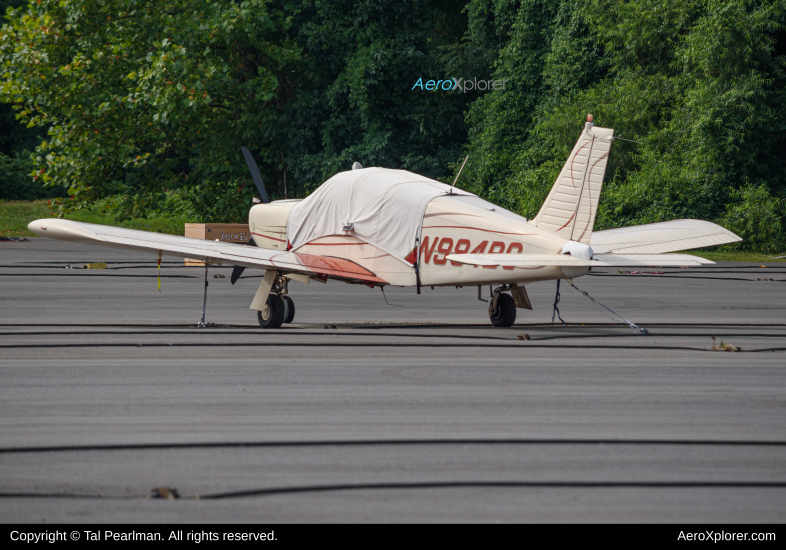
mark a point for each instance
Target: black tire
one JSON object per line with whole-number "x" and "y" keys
{"x": 505, "y": 315}
{"x": 274, "y": 314}
{"x": 289, "y": 309}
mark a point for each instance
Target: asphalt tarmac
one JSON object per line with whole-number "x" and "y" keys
{"x": 360, "y": 411}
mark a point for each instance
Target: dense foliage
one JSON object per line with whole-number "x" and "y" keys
{"x": 17, "y": 141}
{"x": 149, "y": 103}
{"x": 699, "y": 84}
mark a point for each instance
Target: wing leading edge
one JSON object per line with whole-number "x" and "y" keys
{"x": 216, "y": 252}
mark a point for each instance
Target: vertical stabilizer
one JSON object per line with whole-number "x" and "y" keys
{"x": 570, "y": 208}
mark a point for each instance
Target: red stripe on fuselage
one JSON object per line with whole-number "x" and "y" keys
{"x": 451, "y": 214}
{"x": 266, "y": 237}
{"x": 475, "y": 228}
{"x": 333, "y": 244}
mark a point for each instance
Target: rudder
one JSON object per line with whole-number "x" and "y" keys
{"x": 569, "y": 210}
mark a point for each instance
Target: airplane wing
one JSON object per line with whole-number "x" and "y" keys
{"x": 215, "y": 252}
{"x": 657, "y": 238}
{"x": 601, "y": 260}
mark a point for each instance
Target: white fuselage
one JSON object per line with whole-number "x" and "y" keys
{"x": 451, "y": 225}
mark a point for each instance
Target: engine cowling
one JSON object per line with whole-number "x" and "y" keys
{"x": 268, "y": 223}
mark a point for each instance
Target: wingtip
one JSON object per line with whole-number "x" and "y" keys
{"x": 63, "y": 230}
{"x": 38, "y": 227}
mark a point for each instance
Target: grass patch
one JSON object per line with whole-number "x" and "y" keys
{"x": 15, "y": 215}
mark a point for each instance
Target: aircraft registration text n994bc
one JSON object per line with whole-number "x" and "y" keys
{"x": 378, "y": 227}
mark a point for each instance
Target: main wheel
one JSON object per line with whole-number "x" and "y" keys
{"x": 505, "y": 315}
{"x": 273, "y": 314}
{"x": 289, "y": 309}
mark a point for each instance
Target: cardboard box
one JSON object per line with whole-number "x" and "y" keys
{"x": 227, "y": 232}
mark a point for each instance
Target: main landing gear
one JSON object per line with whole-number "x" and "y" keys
{"x": 504, "y": 315}
{"x": 279, "y": 308}
{"x": 502, "y": 307}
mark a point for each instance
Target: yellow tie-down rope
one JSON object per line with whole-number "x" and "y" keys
{"x": 159, "y": 270}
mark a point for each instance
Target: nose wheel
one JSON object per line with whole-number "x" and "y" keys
{"x": 272, "y": 315}
{"x": 289, "y": 309}
{"x": 279, "y": 307}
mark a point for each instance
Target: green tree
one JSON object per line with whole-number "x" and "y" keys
{"x": 16, "y": 143}
{"x": 700, "y": 84}
{"x": 546, "y": 51}
{"x": 349, "y": 96}
{"x": 141, "y": 96}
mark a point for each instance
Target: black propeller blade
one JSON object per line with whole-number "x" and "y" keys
{"x": 252, "y": 166}
{"x": 239, "y": 269}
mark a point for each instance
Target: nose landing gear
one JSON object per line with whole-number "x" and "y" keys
{"x": 289, "y": 309}
{"x": 279, "y": 307}
{"x": 272, "y": 315}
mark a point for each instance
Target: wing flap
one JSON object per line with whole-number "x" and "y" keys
{"x": 212, "y": 251}
{"x": 662, "y": 237}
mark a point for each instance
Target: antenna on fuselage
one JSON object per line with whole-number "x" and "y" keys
{"x": 457, "y": 175}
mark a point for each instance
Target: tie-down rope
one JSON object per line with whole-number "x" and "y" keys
{"x": 616, "y": 317}
{"x": 556, "y": 309}
{"x": 601, "y": 307}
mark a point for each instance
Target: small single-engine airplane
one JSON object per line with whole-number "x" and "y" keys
{"x": 378, "y": 227}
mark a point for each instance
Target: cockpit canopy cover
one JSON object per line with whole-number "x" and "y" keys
{"x": 384, "y": 207}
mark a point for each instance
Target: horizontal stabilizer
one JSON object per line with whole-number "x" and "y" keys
{"x": 650, "y": 260}
{"x": 658, "y": 238}
{"x": 215, "y": 252}
{"x": 601, "y": 260}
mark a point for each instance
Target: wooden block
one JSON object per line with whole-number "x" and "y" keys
{"x": 226, "y": 232}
